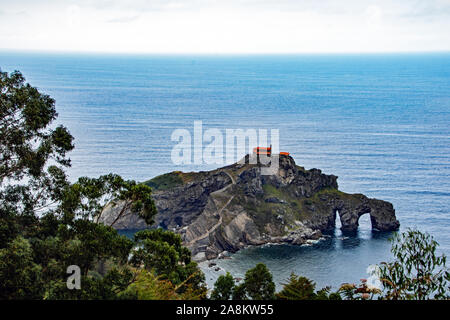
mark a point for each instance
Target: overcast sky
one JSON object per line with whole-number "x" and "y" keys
{"x": 225, "y": 26}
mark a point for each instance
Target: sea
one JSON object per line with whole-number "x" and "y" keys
{"x": 380, "y": 122}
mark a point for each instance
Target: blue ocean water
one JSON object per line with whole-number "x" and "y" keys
{"x": 379, "y": 122}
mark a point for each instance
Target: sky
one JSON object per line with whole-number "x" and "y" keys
{"x": 225, "y": 26}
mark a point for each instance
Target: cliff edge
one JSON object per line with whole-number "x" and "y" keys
{"x": 231, "y": 207}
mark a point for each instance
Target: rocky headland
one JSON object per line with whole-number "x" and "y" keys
{"x": 235, "y": 206}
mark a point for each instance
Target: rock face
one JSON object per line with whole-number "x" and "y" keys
{"x": 231, "y": 207}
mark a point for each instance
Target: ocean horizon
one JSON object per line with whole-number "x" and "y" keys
{"x": 380, "y": 122}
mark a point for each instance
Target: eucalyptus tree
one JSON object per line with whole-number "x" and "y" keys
{"x": 46, "y": 222}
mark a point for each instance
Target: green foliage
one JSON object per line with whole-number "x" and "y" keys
{"x": 298, "y": 288}
{"x": 148, "y": 286}
{"x": 89, "y": 196}
{"x": 28, "y": 184}
{"x": 258, "y": 285}
{"x": 165, "y": 181}
{"x": 112, "y": 286}
{"x": 302, "y": 288}
{"x": 223, "y": 287}
{"x": 47, "y": 223}
{"x": 162, "y": 252}
{"x": 26, "y": 141}
{"x": 417, "y": 271}
{"x": 326, "y": 294}
{"x": 239, "y": 292}
{"x": 20, "y": 275}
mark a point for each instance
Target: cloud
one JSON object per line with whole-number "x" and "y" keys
{"x": 374, "y": 16}
{"x": 233, "y": 26}
{"x": 428, "y": 10}
{"x": 125, "y": 19}
{"x": 73, "y": 13}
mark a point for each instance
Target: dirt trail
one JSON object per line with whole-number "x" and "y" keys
{"x": 203, "y": 236}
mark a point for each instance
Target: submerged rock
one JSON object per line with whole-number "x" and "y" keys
{"x": 235, "y": 206}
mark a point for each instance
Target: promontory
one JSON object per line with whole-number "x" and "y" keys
{"x": 235, "y": 206}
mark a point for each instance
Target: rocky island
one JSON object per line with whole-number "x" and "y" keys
{"x": 235, "y": 206}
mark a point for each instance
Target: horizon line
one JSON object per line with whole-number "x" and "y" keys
{"x": 200, "y": 53}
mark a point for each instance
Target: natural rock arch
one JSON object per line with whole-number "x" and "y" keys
{"x": 382, "y": 213}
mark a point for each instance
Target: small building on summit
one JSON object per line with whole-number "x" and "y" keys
{"x": 262, "y": 151}
{"x": 267, "y": 151}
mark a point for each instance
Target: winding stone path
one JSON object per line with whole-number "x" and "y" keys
{"x": 203, "y": 236}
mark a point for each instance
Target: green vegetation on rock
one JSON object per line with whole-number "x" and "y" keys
{"x": 166, "y": 181}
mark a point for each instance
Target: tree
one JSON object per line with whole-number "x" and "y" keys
{"x": 112, "y": 286}
{"x": 26, "y": 140}
{"x": 148, "y": 286}
{"x": 417, "y": 271}
{"x": 28, "y": 184}
{"x": 47, "y": 223}
{"x": 258, "y": 283}
{"x": 20, "y": 275}
{"x": 302, "y": 288}
{"x": 239, "y": 292}
{"x": 88, "y": 197}
{"x": 223, "y": 287}
{"x": 298, "y": 288}
{"x": 162, "y": 252}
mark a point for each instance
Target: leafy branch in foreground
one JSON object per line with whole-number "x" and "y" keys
{"x": 417, "y": 271}
{"x": 162, "y": 252}
{"x": 362, "y": 291}
{"x": 88, "y": 198}
{"x": 27, "y": 142}
{"x": 149, "y": 286}
{"x": 47, "y": 223}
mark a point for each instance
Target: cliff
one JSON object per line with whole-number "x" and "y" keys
{"x": 235, "y": 206}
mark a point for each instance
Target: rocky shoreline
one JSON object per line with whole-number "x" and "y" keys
{"x": 227, "y": 209}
